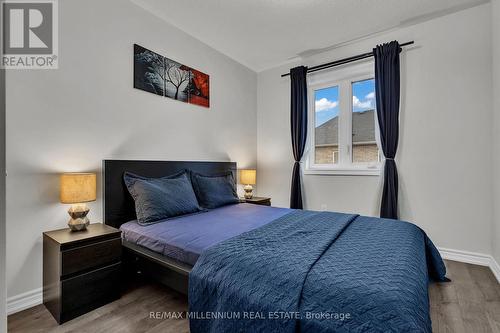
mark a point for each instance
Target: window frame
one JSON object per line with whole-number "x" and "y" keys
{"x": 344, "y": 79}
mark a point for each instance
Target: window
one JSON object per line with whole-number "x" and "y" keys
{"x": 326, "y": 118}
{"x": 364, "y": 144}
{"x": 343, "y": 136}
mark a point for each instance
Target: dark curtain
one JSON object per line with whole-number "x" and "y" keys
{"x": 298, "y": 122}
{"x": 387, "y": 91}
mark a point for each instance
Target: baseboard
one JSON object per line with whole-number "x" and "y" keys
{"x": 465, "y": 256}
{"x": 495, "y": 268}
{"x": 24, "y": 301}
{"x": 472, "y": 258}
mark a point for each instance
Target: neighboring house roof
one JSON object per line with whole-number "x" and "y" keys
{"x": 363, "y": 128}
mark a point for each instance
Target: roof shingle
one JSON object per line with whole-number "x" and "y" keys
{"x": 363, "y": 129}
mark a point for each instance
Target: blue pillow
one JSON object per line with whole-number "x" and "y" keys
{"x": 215, "y": 191}
{"x": 163, "y": 198}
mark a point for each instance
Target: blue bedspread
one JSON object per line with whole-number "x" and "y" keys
{"x": 316, "y": 272}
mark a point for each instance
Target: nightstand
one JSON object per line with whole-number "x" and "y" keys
{"x": 81, "y": 270}
{"x": 258, "y": 201}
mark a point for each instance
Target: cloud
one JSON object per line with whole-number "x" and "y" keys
{"x": 361, "y": 105}
{"x": 370, "y": 95}
{"x": 324, "y": 104}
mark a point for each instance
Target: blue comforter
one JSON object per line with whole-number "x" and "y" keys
{"x": 316, "y": 272}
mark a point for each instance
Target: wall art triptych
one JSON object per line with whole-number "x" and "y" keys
{"x": 165, "y": 77}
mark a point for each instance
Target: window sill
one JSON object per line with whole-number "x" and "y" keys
{"x": 359, "y": 171}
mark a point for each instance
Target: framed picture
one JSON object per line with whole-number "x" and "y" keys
{"x": 199, "y": 88}
{"x": 163, "y": 76}
{"x": 149, "y": 71}
{"x": 176, "y": 80}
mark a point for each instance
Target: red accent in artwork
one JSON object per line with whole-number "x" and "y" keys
{"x": 200, "y": 92}
{"x": 199, "y": 101}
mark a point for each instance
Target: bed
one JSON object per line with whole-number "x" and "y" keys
{"x": 249, "y": 268}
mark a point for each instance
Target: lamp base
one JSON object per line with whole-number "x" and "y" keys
{"x": 79, "y": 220}
{"x": 248, "y": 191}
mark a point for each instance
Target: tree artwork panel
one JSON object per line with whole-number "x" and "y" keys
{"x": 163, "y": 76}
{"x": 176, "y": 80}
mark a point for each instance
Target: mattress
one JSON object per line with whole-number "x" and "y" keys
{"x": 185, "y": 238}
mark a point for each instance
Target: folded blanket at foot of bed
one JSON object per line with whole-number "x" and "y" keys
{"x": 316, "y": 272}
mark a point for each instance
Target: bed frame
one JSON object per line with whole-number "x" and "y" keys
{"x": 119, "y": 208}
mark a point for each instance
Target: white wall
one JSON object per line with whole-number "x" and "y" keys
{"x": 71, "y": 118}
{"x": 496, "y": 127}
{"x": 444, "y": 157}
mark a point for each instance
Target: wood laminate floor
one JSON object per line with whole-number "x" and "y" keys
{"x": 470, "y": 303}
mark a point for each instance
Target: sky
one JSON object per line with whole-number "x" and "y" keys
{"x": 327, "y": 100}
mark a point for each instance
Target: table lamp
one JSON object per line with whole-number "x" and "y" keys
{"x": 77, "y": 189}
{"x": 248, "y": 177}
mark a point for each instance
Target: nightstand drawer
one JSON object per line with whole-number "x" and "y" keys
{"x": 263, "y": 201}
{"x": 266, "y": 202}
{"x": 94, "y": 255}
{"x": 89, "y": 291}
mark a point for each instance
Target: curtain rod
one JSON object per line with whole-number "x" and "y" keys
{"x": 344, "y": 61}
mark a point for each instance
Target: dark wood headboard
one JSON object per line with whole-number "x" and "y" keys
{"x": 118, "y": 205}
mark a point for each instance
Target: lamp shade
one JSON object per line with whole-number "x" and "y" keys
{"x": 78, "y": 187}
{"x": 248, "y": 176}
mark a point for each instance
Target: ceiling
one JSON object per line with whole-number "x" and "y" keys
{"x": 262, "y": 34}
